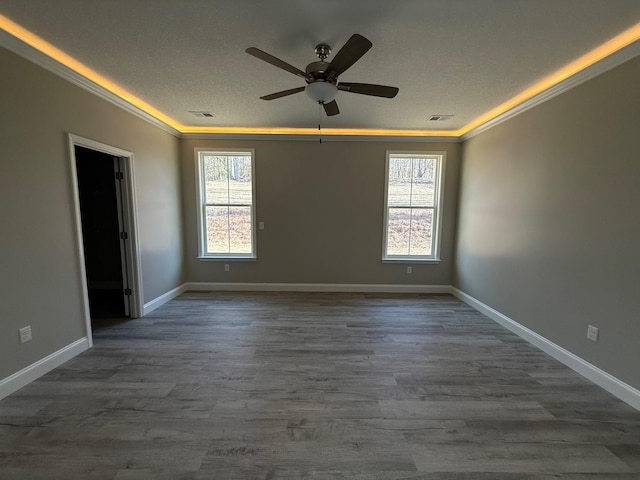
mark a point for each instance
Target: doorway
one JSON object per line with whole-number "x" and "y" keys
{"x": 106, "y": 264}
{"x": 106, "y": 228}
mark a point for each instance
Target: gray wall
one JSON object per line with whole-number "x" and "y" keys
{"x": 39, "y": 282}
{"x": 549, "y": 229}
{"x": 322, "y": 205}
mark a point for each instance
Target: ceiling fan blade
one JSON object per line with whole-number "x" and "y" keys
{"x": 369, "y": 89}
{"x": 283, "y": 93}
{"x": 349, "y": 54}
{"x": 265, "y": 57}
{"x": 331, "y": 108}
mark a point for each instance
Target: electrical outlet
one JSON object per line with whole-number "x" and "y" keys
{"x": 592, "y": 333}
{"x": 226, "y": 267}
{"x": 25, "y": 334}
{"x": 409, "y": 270}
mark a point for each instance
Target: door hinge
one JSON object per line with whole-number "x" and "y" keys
{"x": 124, "y": 235}
{"x": 127, "y": 291}
{"x": 119, "y": 176}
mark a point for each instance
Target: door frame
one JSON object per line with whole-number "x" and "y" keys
{"x": 130, "y": 221}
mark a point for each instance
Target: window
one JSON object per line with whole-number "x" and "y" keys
{"x": 226, "y": 205}
{"x": 413, "y": 197}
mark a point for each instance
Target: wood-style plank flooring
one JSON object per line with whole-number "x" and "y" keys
{"x": 323, "y": 386}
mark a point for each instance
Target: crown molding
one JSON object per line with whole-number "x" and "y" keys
{"x": 324, "y": 137}
{"x": 615, "y": 59}
{"x": 20, "y": 48}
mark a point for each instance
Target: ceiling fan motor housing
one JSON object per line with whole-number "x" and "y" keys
{"x": 317, "y": 69}
{"x": 319, "y": 90}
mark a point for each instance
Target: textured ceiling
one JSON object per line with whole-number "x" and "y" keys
{"x": 459, "y": 57}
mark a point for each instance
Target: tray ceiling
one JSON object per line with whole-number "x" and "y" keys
{"x": 460, "y": 58}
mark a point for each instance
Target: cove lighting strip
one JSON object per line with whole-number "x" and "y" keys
{"x": 71, "y": 63}
{"x": 617, "y": 43}
{"x": 364, "y": 132}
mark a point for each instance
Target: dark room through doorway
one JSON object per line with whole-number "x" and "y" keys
{"x": 100, "y": 192}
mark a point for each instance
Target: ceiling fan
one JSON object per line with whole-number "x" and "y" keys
{"x": 322, "y": 76}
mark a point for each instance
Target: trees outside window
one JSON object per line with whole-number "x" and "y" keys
{"x": 412, "y": 206}
{"x": 226, "y": 204}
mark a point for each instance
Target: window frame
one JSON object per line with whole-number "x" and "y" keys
{"x": 438, "y": 197}
{"x": 201, "y": 204}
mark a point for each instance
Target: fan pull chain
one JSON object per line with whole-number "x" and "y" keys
{"x": 319, "y": 121}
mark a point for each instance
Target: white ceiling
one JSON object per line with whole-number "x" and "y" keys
{"x": 460, "y": 57}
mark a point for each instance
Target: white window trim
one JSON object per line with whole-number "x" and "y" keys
{"x": 200, "y": 204}
{"x": 436, "y": 232}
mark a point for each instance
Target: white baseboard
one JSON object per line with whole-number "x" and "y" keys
{"x": 289, "y": 287}
{"x": 315, "y": 287}
{"x": 162, "y": 299}
{"x": 27, "y": 375}
{"x": 611, "y": 384}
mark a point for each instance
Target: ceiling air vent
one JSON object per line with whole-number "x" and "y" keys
{"x": 199, "y": 113}
{"x": 440, "y": 118}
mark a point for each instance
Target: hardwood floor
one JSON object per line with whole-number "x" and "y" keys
{"x": 315, "y": 386}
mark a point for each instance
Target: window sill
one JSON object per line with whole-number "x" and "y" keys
{"x": 226, "y": 259}
{"x": 410, "y": 260}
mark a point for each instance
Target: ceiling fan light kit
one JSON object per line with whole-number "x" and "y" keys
{"x": 321, "y": 92}
{"x": 322, "y": 77}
